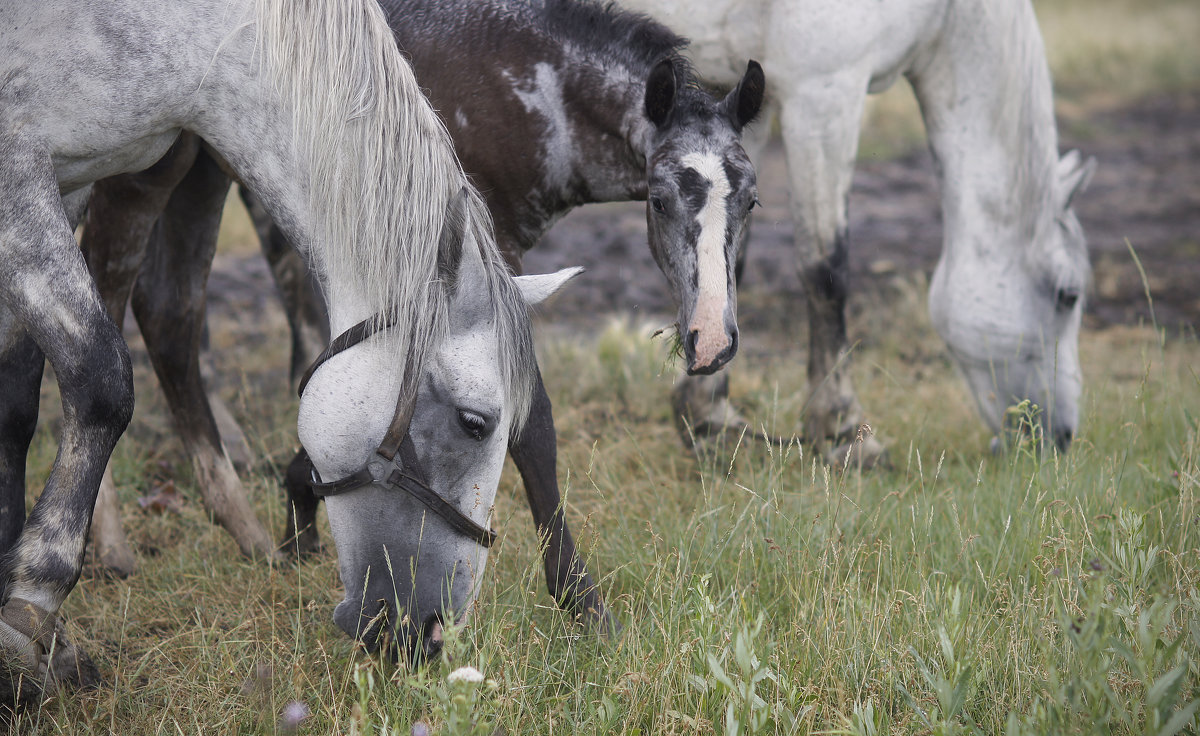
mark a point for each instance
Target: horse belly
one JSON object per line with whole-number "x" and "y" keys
{"x": 75, "y": 170}
{"x": 103, "y": 88}
{"x": 814, "y": 38}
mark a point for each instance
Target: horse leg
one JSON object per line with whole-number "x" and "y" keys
{"x": 122, "y": 211}
{"x": 819, "y": 120}
{"x": 300, "y": 536}
{"x": 307, "y": 315}
{"x": 168, "y": 302}
{"x": 237, "y": 447}
{"x": 21, "y": 365}
{"x": 49, "y": 294}
{"x": 308, "y": 320}
{"x": 535, "y": 454}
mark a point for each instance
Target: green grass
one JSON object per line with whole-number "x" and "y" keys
{"x": 955, "y": 592}
{"x": 937, "y": 596}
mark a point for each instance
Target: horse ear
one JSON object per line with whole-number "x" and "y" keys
{"x": 1074, "y": 176}
{"x": 540, "y": 287}
{"x": 744, "y": 102}
{"x": 660, "y": 92}
{"x": 450, "y": 243}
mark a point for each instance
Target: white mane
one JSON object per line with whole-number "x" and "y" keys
{"x": 1025, "y": 122}
{"x": 381, "y": 172}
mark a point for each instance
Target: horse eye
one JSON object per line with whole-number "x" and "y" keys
{"x": 658, "y": 205}
{"x": 754, "y": 203}
{"x": 475, "y": 425}
{"x": 1067, "y": 298}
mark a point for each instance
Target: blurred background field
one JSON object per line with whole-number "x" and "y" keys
{"x": 957, "y": 592}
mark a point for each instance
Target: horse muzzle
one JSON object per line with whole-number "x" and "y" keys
{"x": 376, "y": 626}
{"x": 707, "y": 353}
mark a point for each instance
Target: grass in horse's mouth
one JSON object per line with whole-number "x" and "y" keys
{"x": 670, "y": 333}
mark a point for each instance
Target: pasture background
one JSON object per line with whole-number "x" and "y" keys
{"x": 955, "y": 591}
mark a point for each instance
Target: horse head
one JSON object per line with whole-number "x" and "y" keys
{"x": 1010, "y": 313}
{"x": 701, "y": 188}
{"x": 409, "y": 563}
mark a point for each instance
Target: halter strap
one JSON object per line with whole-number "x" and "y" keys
{"x": 347, "y": 339}
{"x": 395, "y": 466}
{"x": 404, "y": 474}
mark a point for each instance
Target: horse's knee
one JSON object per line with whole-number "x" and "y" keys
{"x": 100, "y": 396}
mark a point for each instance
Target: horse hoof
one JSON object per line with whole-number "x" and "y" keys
{"x": 118, "y": 561}
{"x": 864, "y": 453}
{"x": 36, "y": 657}
{"x": 701, "y": 408}
{"x": 71, "y": 666}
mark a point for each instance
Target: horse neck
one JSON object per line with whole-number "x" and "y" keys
{"x": 611, "y": 140}
{"x": 986, "y": 97}
{"x": 344, "y": 151}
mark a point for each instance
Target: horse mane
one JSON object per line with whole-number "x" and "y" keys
{"x": 611, "y": 32}
{"x": 1026, "y": 124}
{"x": 382, "y": 170}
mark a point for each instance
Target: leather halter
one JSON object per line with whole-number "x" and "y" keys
{"x": 394, "y": 464}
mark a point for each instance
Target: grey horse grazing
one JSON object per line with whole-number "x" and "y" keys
{"x": 1007, "y": 294}
{"x": 551, "y": 105}
{"x": 314, "y": 107}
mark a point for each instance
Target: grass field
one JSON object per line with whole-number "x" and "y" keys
{"x": 760, "y": 591}
{"x": 951, "y": 593}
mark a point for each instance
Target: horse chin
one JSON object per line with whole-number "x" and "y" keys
{"x": 413, "y": 643}
{"x": 404, "y": 570}
{"x": 409, "y": 630}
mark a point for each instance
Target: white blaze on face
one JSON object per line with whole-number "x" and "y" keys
{"x": 712, "y": 293}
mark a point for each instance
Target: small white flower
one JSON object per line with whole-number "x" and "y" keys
{"x": 294, "y": 713}
{"x": 465, "y": 674}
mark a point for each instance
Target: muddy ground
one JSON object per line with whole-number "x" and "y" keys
{"x": 1146, "y": 190}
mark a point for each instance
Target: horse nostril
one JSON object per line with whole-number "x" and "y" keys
{"x": 733, "y": 342}
{"x": 689, "y": 346}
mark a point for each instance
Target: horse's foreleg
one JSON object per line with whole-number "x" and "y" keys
{"x": 300, "y": 537}
{"x": 122, "y": 211}
{"x": 48, "y": 291}
{"x": 168, "y": 301}
{"x": 21, "y": 364}
{"x": 307, "y": 314}
{"x": 308, "y": 320}
{"x": 819, "y": 120}
{"x": 535, "y": 454}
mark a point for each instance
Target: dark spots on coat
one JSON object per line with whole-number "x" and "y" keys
{"x": 693, "y": 189}
{"x": 830, "y": 275}
{"x": 828, "y": 280}
{"x": 734, "y": 174}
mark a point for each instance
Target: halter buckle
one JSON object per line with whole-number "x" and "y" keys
{"x": 381, "y": 468}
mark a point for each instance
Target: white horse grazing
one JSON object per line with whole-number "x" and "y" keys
{"x": 408, "y": 416}
{"x": 1007, "y": 293}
